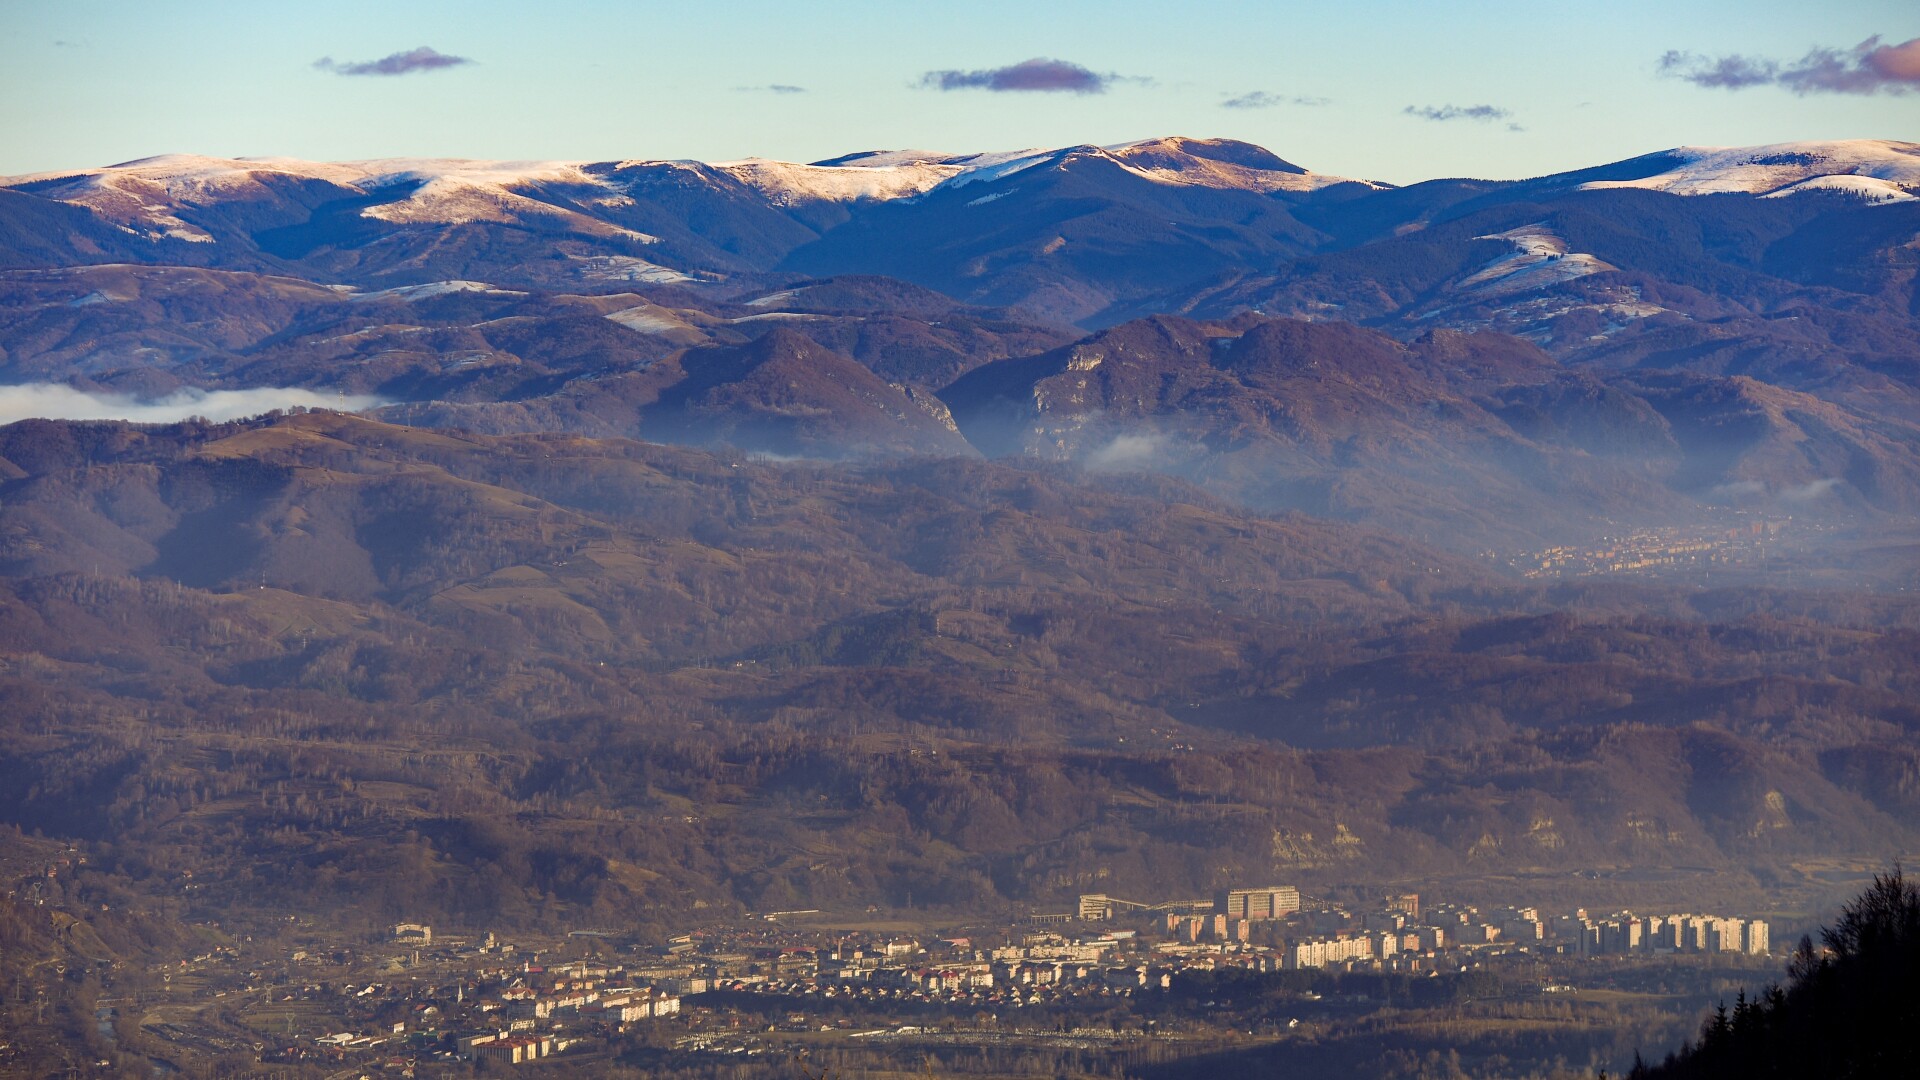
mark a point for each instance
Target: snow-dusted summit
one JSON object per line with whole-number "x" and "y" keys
{"x": 1875, "y": 169}
{"x": 1179, "y": 161}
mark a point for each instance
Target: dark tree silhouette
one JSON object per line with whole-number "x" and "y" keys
{"x": 1849, "y": 1008}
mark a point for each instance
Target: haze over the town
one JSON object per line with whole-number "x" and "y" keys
{"x": 1388, "y": 90}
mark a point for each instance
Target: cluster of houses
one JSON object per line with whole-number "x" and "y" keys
{"x": 1271, "y": 930}
{"x": 505, "y": 1015}
{"x": 624, "y": 1004}
{"x": 1043, "y": 966}
{"x": 506, "y": 1049}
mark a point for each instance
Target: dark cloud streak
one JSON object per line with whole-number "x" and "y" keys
{"x": 1482, "y": 113}
{"x": 1867, "y": 68}
{"x": 771, "y": 88}
{"x": 1727, "y": 73}
{"x": 424, "y": 58}
{"x": 1039, "y": 75}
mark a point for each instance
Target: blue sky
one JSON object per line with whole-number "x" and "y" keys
{"x": 1565, "y": 84}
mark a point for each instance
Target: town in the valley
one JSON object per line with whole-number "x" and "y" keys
{"x": 413, "y": 995}
{"x": 1746, "y": 544}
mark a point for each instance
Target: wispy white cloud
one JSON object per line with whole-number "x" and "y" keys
{"x": 1261, "y": 99}
{"x": 57, "y": 401}
{"x": 1137, "y": 452}
{"x": 1798, "y": 493}
{"x": 1809, "y": 491}
{"x": 1484, "y": 113}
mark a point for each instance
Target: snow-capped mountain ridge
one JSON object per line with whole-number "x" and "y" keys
{"x": 148, "y": 196}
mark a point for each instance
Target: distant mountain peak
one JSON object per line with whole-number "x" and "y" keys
{"x": 1226, "y": 151}
{"x": 1174, "y": 159}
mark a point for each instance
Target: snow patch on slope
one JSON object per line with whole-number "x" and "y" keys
{"x": 1540, "y": 258}
{"x": 780, "y": 316}
{"x": 786, "y": 184}
{"x": 773, "y": 298}
{"x": 652, "y": 319}
{"x": 411, "y": 293}
{"x": 627, "y": 268}
{"x": 1869, "y": 188}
